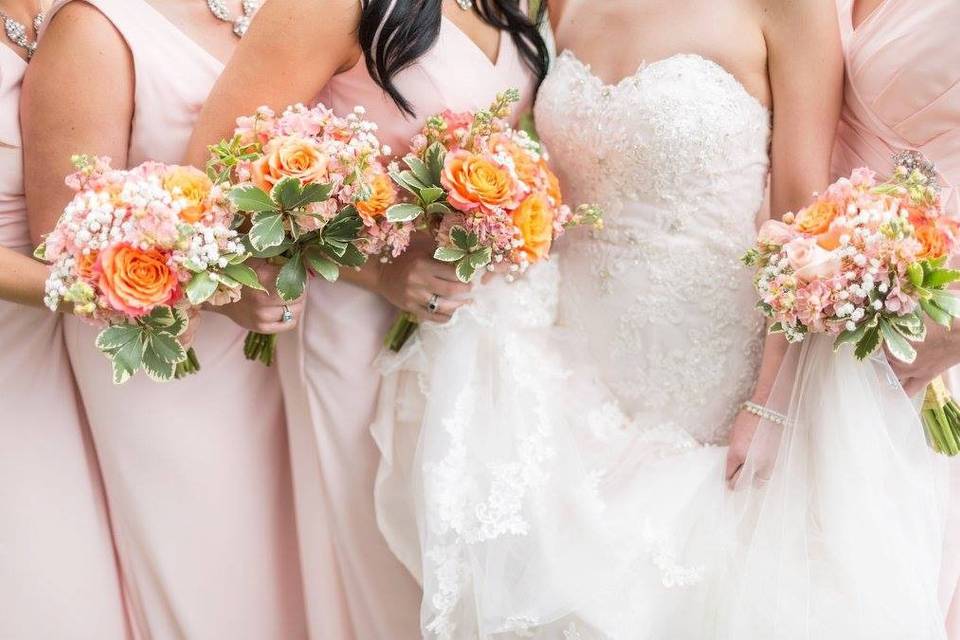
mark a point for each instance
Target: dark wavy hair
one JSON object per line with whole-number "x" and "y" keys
{"x": 412, "y": 27}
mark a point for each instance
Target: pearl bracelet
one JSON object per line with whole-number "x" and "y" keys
{"x": 762, "y": 412}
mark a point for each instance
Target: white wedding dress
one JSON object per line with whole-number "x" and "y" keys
{"x": 553, "y": 457}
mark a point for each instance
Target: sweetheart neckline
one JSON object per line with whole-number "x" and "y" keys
{"x": 644, "y": 66}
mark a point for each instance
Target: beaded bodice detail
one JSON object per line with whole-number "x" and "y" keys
{"x": 677, "y": 155}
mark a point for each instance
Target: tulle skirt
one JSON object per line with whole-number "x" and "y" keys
{"x": 530, "y": 505}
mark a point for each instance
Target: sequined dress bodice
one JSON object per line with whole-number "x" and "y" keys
{"x": 677, "y": 155}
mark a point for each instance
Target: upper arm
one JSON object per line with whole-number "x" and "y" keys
{"x": 288, "y": 55}
{"x": 77, "y": 98}
{"x": 805, "y": 66}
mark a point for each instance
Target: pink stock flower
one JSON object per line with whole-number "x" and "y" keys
{"x": 898, "y": 302}
{"x": 774, "y": 232}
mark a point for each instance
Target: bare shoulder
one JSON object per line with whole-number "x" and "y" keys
{"x": 81, "y": 20}
{"x": 800, "y": 15}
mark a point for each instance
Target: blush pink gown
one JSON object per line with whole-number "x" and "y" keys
{"x": 58, "y": 569}
{"x": 903, "y": 92}
{"x": 196, "y": 470}
{"x": 330, "y": 383}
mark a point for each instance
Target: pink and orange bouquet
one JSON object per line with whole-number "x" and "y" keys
{"x": 138, "y": 251}
{"x": 486, "y": 193}
{"x": 866, "y": 263}
{"x": 316, "y": 191}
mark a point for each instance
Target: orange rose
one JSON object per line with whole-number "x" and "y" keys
{"x": 191, "y": 185}
{"x": 534, "y": 219}
{"x": 289, "y": 157}
{"x": 526, "y": 167}
{"x": 830, "y": 239}
{"x": 135, "y": 281}
{"x": 472, "y": 181}
{"x": 931, "y": 236}
{"x": 85, "y": 264}
{"x": 816, "y": 218}
{"x": 553, "y": 185}
{"x": 383, "y": 195}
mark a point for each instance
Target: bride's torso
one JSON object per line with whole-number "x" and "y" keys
{"x": 677, "y": 155}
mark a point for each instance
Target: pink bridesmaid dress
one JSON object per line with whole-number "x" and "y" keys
{"x": 903, "y": 93}
{"x": 58, "y": 569}
{"x": 329, "y": 378}
{"x": 196, "y": 470}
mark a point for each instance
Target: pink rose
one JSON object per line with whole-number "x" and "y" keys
{"x": 810, "y": 261}
{"x": 776, "y": 233}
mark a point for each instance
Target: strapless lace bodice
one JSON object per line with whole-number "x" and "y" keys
{"x": 677, "y": 154}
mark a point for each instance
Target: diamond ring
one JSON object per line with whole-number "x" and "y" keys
{"x": 287, "y": 315}
{"x": 433, "y": 304}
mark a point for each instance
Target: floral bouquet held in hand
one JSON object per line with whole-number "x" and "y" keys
{"x": 485, "y": 192}
{"x": 140, "y": 250}
{"x": 866, "y": 262}
{"x": 316, "y": 192}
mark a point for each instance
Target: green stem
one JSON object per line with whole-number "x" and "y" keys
{"x": 260, "y": 346}
{"x": 401, "y": 330}
{"x": 189, "y": 366}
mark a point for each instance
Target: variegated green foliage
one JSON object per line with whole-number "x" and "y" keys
{"x": 466, "y": 253}
{"x": 150, "y": 343}
{"x": 422, "y": 180}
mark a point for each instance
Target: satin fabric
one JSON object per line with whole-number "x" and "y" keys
{"x": 902, "y": 92}
{"x": 58, "y": 570}
{"x": 330, "y": 382}
{"x": 196, "y": 470}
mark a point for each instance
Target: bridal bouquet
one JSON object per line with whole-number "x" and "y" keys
{"x": 316, "y": 192}
{"x": 486, "y": 193}
{"x": 139, "y": 251}
{"x": 866, "y": 262}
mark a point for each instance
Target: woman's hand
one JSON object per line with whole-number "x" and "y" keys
{"x": 263, "y": 312}
{"x": 936, "y": 354}
{"x": 741, "y": 435}
{"x": 411, "y": 281}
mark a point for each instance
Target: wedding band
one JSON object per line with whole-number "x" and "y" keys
{"x": 433, "y": 304}
{"x": 287, "y": 315}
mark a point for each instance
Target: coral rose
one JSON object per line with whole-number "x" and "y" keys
{"x": 933, "y": 237}
{"x": 135, "y": 281}
{"x": 85, "y": 264}
{"x": 816, "y": 218}
{"x": 383, "y": 195}
{"x": 810, "y": 261}
{"x": 193, "y": 186}
{"x": 473, "y": 181}
{"x": 534, "y": 219}
{"x": 292, "y": 157}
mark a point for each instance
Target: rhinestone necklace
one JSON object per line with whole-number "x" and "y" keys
{"x": 241, "y": 23}
{"x": 17, "y": 32}
{"x": 466, "y": 5}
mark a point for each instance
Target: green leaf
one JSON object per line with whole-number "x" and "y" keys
{"x": 40, "y": 253}
{"x": 777, "y": 327}
{"x": 937, "y": 314}
{"x": 251, "y": 199}
{"x": 156, "y": 367}
{"x": 245, "y": 275}
{"x": 911, "y": 326}
{"x": 461, "y": 238}
{"x": 327, "y": 268}
{"x": 166, "y": 347}
{"x": 398, "y": 179}
{"x": 412, "y": 180}
{"x": 948, "y": 302}
{"x": 345, "y": 226}
{"x": 435, "y": 157}
{"x": 267, "y": 231}
{"x": 292, "y": 279}
{"x": 481, "y": 258}
{"x": 940, "y": 278}
{"x": 113, "y": 338}
{"x": 868, "y": 343}
{"x": 201, "y": 287}
{"x": 897, "y": 345}
{"x": 127, "y": 359}
{"x": 465, "y": 270}
{"x": 352, "y": 257}
{"x": 438, "y": 209}
{"x": 449, "y": 254}
{"x": 286, "y": 193}
{"x": 431, "y": 195}
{"x": 403, "y": 212}
{"x": 312, "y": 193}
{"x": 419, "y": 170}
{"x": 915, "y": 273}
{"x": 850, "y": 337}
{"x": 269, "y": 252}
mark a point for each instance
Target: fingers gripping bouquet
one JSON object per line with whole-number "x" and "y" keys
{"x": 485, "y": 192}
{"x": 139, "y": 251}
{"x": 866, "y": 262}
{"x": 316, "y": 193}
